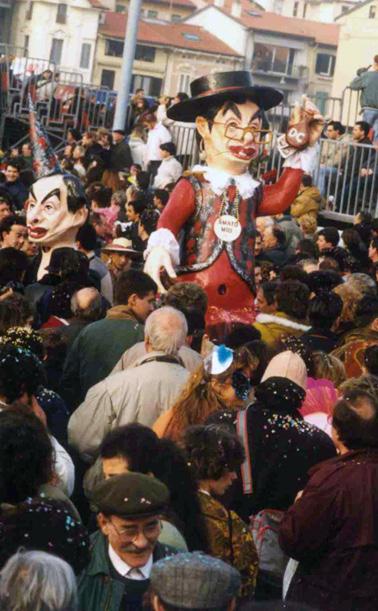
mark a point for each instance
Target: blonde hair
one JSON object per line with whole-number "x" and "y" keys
{"x": 329, "y": 367}
{"x": 308, "y": 224}
{"x": 350, "y": 297}
{"x": 138, "y": 132}
{"x": 131, "y": 194}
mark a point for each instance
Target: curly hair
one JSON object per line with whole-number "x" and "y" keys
{"x": 14, "y": 311}
{"x": 292, "y": 298}
{"x": 23, "y": 337}
{"x": 199, "y": 398}
{"x": 187, "y": 296}
{"x": 14, "y": 360}
{"x": 212, "y": 451}
{"x": 350, "y": 297}
{"x": 26, "y": 456}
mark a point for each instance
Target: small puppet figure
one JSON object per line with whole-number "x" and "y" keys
{"x": 57, "y": 205}
{"x": 207, "y": 230}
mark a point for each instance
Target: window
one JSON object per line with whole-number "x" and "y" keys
{"x": 325, "y": 64}
{"x": 85, "y": 56}
{"x": 150, "y": 84}
{"x": 344, "y": 9}
{"x": 267, "y": 58}
{"x": 152, "y": 14}
{"x": 175, "y": 18}
{"x": 113, "y": 48}
{"x": 295, "y": 9}
{"x": 120, "y": 8}
{"x": 26, "y": 45}
{"x": 107, "y": 78}
{"x": 372, "y": 11}
{"x": 56, "y": 50}
{"x": 29, "y": 11}
{"x": 190, "y": 36}
{"x": 61, "y": 13}
{"x": 145, "y": 54}
{"x": 321, "y": 98}
{"x": 184, "y": 83}
{"x": 304, "y": 10}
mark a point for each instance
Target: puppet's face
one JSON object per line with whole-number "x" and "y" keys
{"x": 48, "y": 218}
{"x": 232, "y": 137}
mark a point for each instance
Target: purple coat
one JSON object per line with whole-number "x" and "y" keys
{"x": 333, "y": 532}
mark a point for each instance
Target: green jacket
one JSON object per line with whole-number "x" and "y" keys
{"x": 368, "y": 83}
{"x": 98, "y": 590}
{"x": 95, "y": 351}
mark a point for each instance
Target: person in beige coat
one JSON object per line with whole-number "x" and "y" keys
{"x": 139, "y": 394}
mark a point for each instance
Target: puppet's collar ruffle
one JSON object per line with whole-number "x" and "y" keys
{"x": 220, "y": 180}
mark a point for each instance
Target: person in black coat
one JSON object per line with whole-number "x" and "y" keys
{"x": 280, "y": 446}
{"x": 120, "y": 155}
{"x": 274, "y": 246}
{"x": 323, "y": 313}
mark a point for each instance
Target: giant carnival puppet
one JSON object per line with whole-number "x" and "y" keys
{"x": 207, "y": 230}
{"x": 57, "y": 204}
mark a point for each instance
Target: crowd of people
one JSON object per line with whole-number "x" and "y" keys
{"x": 145, "y": 464}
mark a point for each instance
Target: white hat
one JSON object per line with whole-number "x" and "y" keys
{"x": 219, "y": 360}
{"x": 287, "y": 365}
{"x": 121, "y": 245}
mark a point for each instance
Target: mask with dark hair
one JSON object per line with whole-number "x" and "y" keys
{"x": 241, "y": 385}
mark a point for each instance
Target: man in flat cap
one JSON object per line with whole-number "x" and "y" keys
{"x": 126, "y": 546}
{"x": 194, "y": 581}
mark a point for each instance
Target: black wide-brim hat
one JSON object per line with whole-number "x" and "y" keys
{"x": 221, "y": 86}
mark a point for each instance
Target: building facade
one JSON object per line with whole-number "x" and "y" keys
{"x": 325, "y": 11}
{"x": 168, "y": 55}
{"x": 6, "y": 11}
{"x": 160, "y": 10}
{"x": 64, "y": 33}
{"x": 358, "y": 43}
{"x": 296, "y": 56}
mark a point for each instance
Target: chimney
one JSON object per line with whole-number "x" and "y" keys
{"x": 236, "y": 9}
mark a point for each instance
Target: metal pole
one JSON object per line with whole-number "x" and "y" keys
{"x": 127, "y": 64}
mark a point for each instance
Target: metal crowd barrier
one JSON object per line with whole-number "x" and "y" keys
{"x": 346, "y": 172}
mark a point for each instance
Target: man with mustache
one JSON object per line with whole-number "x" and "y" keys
{"x": 212, "y": 212}
{"x": 126, "y": 546}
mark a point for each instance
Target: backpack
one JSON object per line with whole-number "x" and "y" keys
{"x": 272, "y": 560}
{"x": 265, "y": 524}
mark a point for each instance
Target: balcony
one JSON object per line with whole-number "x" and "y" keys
{"x": 288, "y": 73}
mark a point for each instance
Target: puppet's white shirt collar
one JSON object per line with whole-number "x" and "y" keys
{"x": 220, "y": 180}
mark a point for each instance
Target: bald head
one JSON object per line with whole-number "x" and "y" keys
{"x": 165, "y": 330}
{"x": 86, "y": 304}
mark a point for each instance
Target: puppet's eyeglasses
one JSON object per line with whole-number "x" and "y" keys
{"x": 234, "y": 132}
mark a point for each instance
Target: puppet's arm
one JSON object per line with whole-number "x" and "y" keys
{"x": 300, "y": 149}
{"x": 163, "y": 251}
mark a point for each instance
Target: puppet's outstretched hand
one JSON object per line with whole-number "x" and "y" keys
{"x": 304, "y": 130}
{"x": 158, "y": 261}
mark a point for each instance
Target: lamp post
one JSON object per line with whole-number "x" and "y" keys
{"x": 127, "y": 64}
